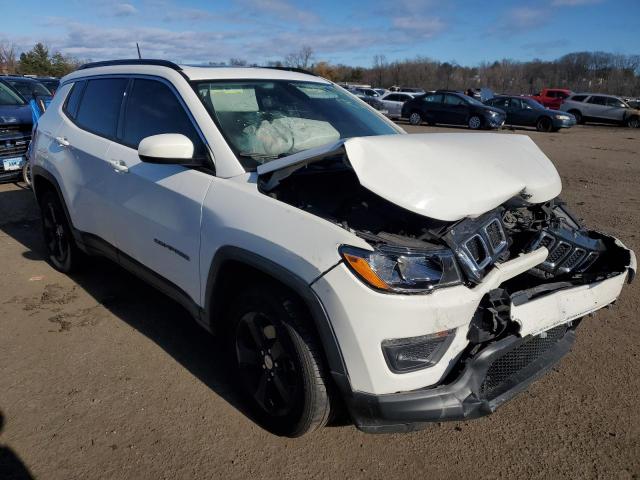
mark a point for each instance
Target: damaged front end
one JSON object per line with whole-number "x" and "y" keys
{"x": 528, "y": 269}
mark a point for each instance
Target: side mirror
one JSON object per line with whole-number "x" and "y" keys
{"x": 168, "y": 149}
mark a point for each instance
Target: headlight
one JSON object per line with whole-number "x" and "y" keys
{"x": 403, "y": 270}
{"x": 493, "y": 114}
{"x": 562, "y": 117}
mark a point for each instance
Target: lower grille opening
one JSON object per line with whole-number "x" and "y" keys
{"x": 503, "y": 369}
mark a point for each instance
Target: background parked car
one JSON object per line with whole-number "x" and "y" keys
{"x": 374, "y": 102}
{"x": 552, "y": 97}
{"x": 526, "y": 112}
{"x": 596, "y": 107}
{"x": 51, "y": 83}
{"x": 452, "y": 108}
{"x": 417, "y": 91}
{"x": 16, "y": 121}
{"x": 393, "y": 102}
{"x": 31, "y": 89}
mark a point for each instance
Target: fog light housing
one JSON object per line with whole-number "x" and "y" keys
{"x": 415, "y": 353}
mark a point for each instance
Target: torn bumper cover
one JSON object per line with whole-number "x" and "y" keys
{"x": 484, "y": 378}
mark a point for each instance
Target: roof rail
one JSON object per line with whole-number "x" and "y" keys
{"x": 294, "y": 69}
{"x": 132, "y": 61}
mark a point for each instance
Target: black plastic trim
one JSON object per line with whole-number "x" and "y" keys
{"x": 132, "y": 61}
{"x": 459, "y": 400}
{"x": 319, "y": 315}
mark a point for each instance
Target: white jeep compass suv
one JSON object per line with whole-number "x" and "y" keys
{"x": 404, "y": 278}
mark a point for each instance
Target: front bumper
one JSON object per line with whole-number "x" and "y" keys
{"x": 362, "y": 318}
{"x": 491, "y": 377}
{"x": 564, "y": 123}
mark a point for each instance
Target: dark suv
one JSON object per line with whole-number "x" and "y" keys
{"x": 452, "y": 108}
{"x": 16, "y": 121}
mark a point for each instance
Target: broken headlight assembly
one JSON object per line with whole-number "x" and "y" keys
{"x": 403, "y": 270}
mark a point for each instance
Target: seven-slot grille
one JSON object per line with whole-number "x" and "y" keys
{"x": 563, "y": 256}
{"x": 482, "y": 247}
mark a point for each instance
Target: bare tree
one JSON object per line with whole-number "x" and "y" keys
{"x": 300, "y": 59}
{"x": 8, "y": 58}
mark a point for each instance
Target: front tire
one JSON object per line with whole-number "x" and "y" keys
{"x": 475, "y": 122}
{"x": 633, "y": 122}
{"x": 26, "y": 173}
{"x": 277, "y": 361}
{"x": 61, "y": 250}
{"x": 578, "y": 115}
{"x": 415, "y": 118}
{"x": 544, "y": 124}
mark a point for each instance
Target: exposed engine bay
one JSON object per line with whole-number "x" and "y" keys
{"x": 331, "y": 190}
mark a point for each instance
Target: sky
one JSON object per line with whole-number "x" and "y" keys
{"x": 338, "y": 31}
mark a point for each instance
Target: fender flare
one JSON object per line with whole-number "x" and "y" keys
{"x": 319, "y": 315}
{"x": 38, "y": 171}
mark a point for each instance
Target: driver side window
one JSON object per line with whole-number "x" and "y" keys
{"x": 152, "y": 109}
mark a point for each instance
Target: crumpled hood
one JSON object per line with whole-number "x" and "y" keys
{"x": 445, "y": 176}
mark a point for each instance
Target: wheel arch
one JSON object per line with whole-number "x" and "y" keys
{"x": 43, "y": 180}
{"x": 228, "y": 272}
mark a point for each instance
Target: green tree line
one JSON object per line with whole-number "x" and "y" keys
{"x": 37, "y": 61}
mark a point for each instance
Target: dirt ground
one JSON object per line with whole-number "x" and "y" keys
{"x": 102, "y": 377}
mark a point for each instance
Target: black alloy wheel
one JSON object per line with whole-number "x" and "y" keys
{"x": 278, "y": 362}
{"x": 61, "y": 250}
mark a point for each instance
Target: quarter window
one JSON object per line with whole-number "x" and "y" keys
{"x": 100, "y": 106}
{"x": 578, "y": 98}
{"x": 152, "y": 109}
{"x": 73, "y": 100}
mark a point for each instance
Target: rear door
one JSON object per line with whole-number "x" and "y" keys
{"x": 596, "y": 107}
{"x": 159, "y": 206}
{"x": 83, "y": 138}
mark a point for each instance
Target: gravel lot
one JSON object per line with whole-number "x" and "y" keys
{"x": 102, "y": 377}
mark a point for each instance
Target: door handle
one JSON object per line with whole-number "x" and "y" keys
{"x": 62, "y": 141}
{"x": 119, "y": 166}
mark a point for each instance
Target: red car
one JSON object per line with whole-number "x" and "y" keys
{"x": 552, "y": 97}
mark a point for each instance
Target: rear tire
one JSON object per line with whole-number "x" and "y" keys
{"x": 578, "y": 115}
{"x": 277, "y": 361}
{"x": 544, "y": 124}
{"x": 61, "y": 249}
{"x": 415, "y": 118}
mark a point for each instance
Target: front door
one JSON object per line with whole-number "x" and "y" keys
{"x": 159, "y": 206}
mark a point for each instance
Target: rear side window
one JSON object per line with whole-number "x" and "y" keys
{"x": 73, "y": 100}
{"x": 152, "y": 108}
{"x": 578, "y": 98}
{"x": 551, "y": 94}
{"x": 598, "y": 100}
{"x": 100, "y": 106}
{"x": 433, "y": 98}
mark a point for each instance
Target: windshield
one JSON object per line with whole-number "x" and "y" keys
{"x": 267, "y": 119}
{"x": 30, "y": 88}
{"x": 532, "y": 103}
{"x": 473, "y": 101}
{"x": 9, "y": 97}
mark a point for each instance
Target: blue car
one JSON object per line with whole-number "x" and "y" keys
{"x": 17, "y": 117}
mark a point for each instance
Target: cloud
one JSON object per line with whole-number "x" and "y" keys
{"x": 544, "y": 47}
{"x": 524, "y": 17}
{"x": 423, "y": 27}
{"x": 573, "y": 3}
{"x": 124, "y": 10}
{"x": 280, "y": 9}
